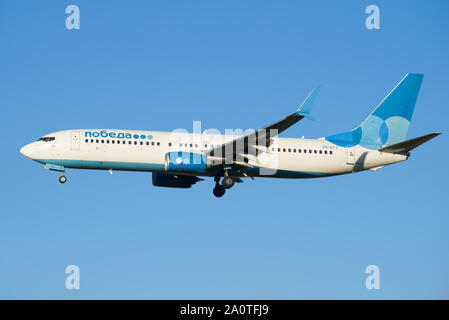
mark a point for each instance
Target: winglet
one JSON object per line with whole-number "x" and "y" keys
{"x": 306, "y": 106}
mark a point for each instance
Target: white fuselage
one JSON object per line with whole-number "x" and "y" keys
{"x": 146, "y": 151}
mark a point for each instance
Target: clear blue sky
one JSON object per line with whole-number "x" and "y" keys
{"x": 159, "y": 65}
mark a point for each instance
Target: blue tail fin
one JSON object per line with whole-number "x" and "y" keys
{"x": 388, "y": 123}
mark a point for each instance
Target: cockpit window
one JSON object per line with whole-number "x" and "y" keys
{"x": 46, "y": 139}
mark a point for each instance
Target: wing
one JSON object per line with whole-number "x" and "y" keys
{"x": 245, "y": 148}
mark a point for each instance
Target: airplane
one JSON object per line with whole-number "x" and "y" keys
{"x": 179, "y": 159}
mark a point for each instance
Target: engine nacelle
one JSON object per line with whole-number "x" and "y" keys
{"x": 180, "y": 161}
{"x": 173, "y": 181}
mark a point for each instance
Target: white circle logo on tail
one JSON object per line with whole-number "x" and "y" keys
{"x": 397, "y": 129}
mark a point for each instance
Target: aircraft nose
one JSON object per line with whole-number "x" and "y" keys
{"x": 27, "y": 151}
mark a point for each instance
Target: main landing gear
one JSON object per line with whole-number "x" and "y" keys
{"x": 226, "y": 183}
{"x": 219, "y": 190}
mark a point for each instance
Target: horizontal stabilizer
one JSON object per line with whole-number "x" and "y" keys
{"x": 408, "y": 145}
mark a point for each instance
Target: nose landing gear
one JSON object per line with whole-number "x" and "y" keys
{"x": 54, "y": 167}
{"x": 62, "y": 179}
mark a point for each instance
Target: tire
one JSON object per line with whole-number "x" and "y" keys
{"x": 228, "y": 182}
{"x": 219, "y": 191}
{"x": 62, "y": 179}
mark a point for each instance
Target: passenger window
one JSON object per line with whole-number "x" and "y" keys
{"x": 141, "y": 142}
{"x": 205, "y": 146}
{"x": 96, "y": 141}
{"x": 147, "y": 143}
{"x": 169, "y": 144}
{"x": 91, "y": 140}
{"x": 330, "y": 152}
{"x": 191, "y": 145}
{"x": 314, "y": 151}
{"x": 294, "y": 150}
{"x": 305, "y": 151}
{"x": 289, "y": 150}
{"x": 272, "y": 149}
{"x": 113, "y": 141}
{"x": 87, "y": 140}
{"x": 158, "y": 143}
{"x": 283, "y": 149}
{"x": 279, "y": 149}
{"x": 152, "y": 143}
{"x": 321, "y": 152}
{"x": 325, "y": 151}
{"x": 129, "y": 142}
{"x": 102, "y": 141}
{"x": 310, "y": 151}
{"x": 196, "y": 146}
{"x": 299, "y": 150}
{"x": 107, "y": 141}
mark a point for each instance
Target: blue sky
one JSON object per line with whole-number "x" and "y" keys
{"x": 159, "y": 65}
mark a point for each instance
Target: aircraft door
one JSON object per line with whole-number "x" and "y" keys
{"x": 75, "y": 141}
{"x": 350, "y": 156}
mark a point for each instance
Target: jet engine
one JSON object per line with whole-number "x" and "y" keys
{"x": 173, "y": 181}
{"x": 180, "y": 161}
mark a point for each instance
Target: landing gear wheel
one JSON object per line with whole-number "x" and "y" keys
{"x": 228, "y": 182}
{"x": 62, "y": 179}
{"x": 219, "y": 190}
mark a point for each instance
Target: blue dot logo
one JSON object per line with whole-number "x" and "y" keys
{"x": 150, "y": 136}
{"x": 136, "y": 136}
